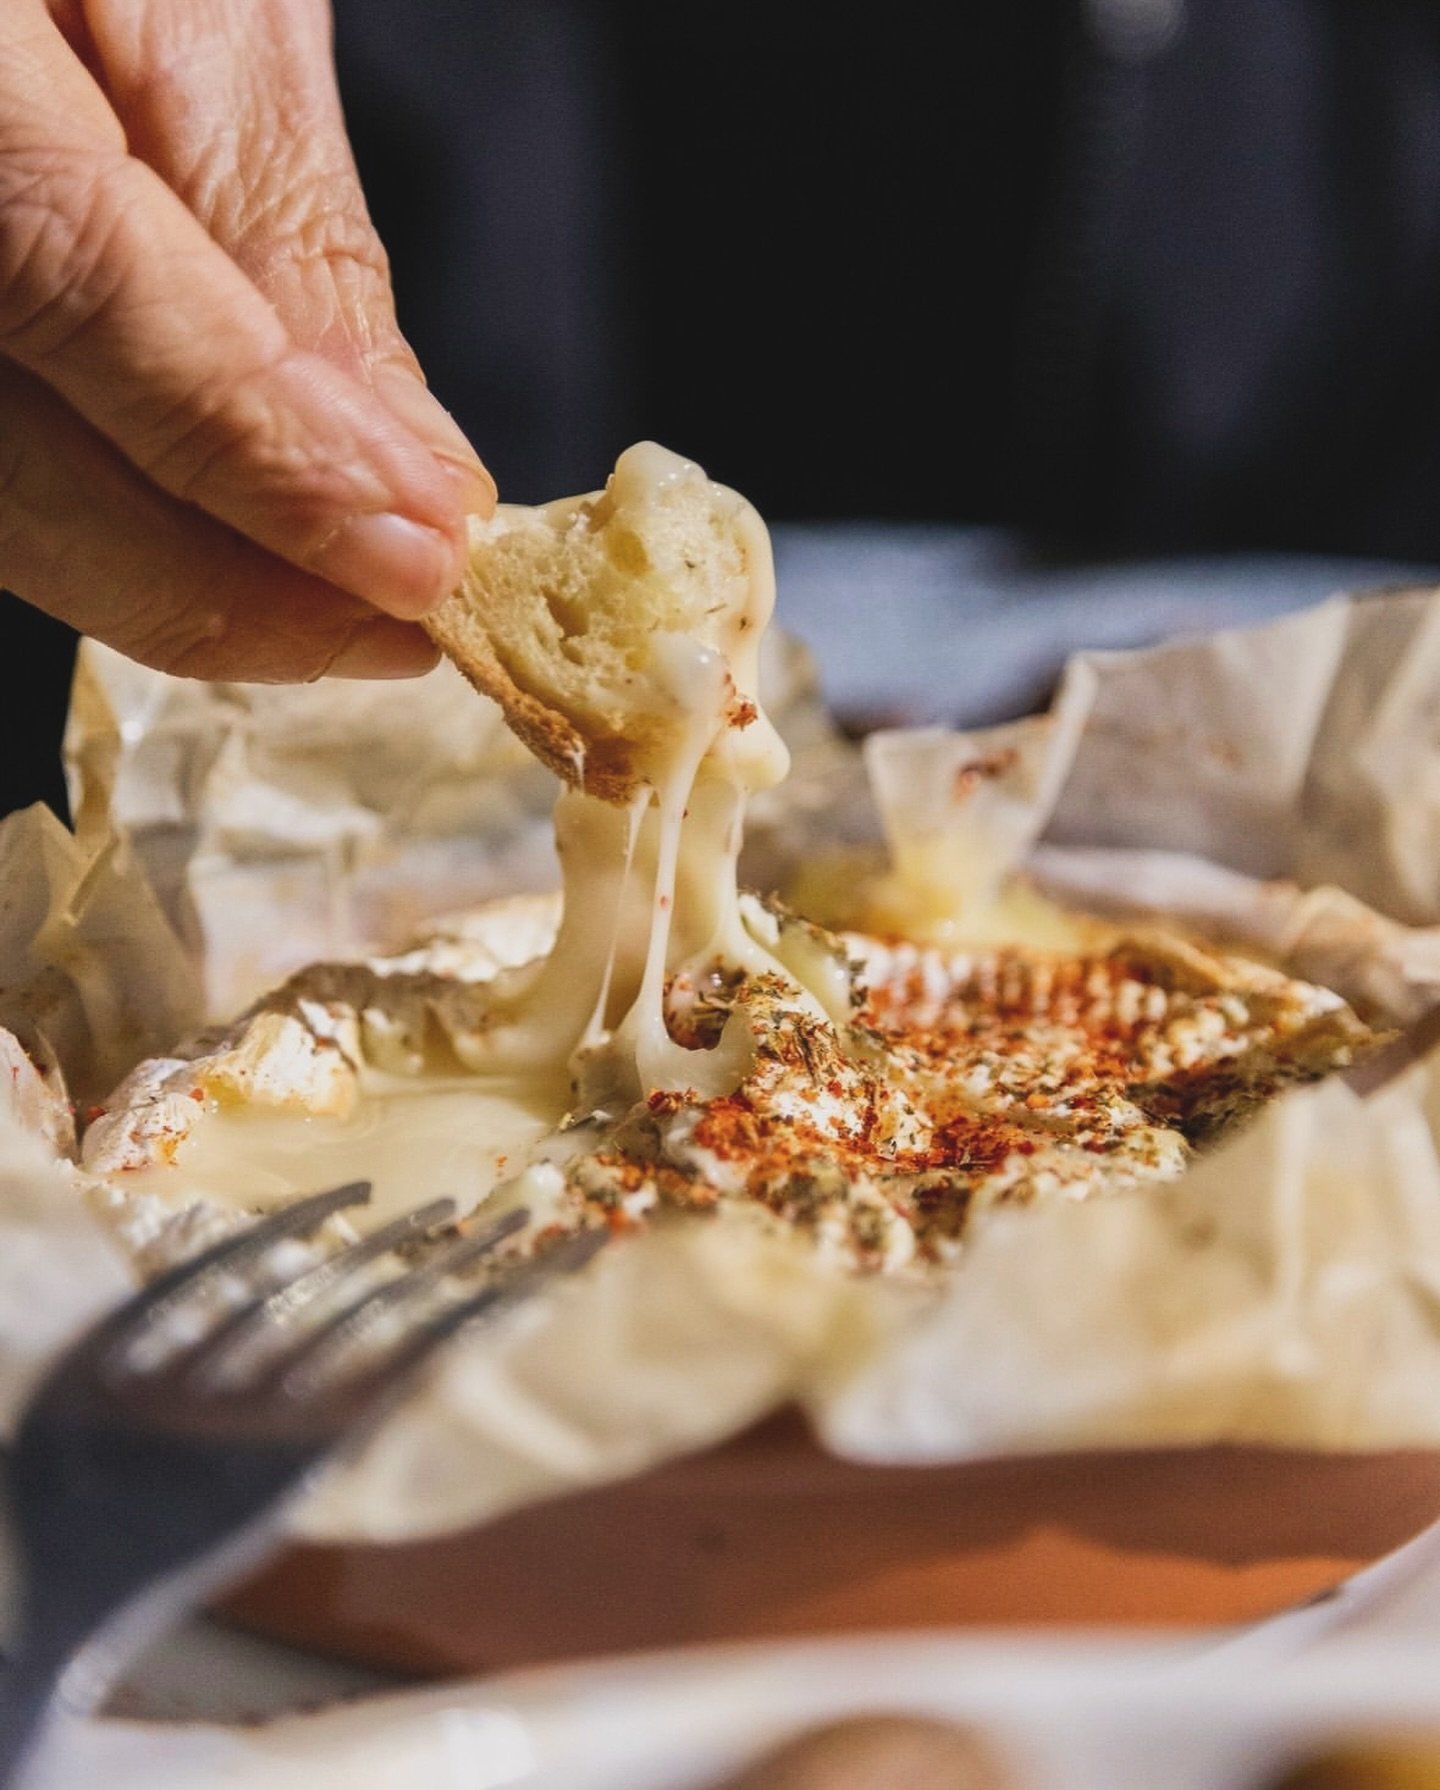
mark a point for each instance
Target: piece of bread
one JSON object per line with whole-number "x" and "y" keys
{"x": 561, "y": 607}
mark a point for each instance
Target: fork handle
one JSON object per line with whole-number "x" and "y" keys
{"x": 67, "y": 1658}
{"x": 28, "y": 1685}
{"x": 78, "y": 1640}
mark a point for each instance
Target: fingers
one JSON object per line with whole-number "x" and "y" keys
{"x": 278, "y": 189}
{"x": 878, "y": 1753}
{"x": 113, "y": 293}
{"x": 159, "y": 580}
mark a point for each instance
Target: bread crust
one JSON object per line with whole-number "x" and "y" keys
{"x": 604, "y": 768}
{"x": 555, "y": 616}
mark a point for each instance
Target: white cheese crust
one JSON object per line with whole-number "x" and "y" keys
{"x": 957, "y": 1083}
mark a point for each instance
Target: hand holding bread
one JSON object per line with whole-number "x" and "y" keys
{"x": 567, "y": 610}
{"x": 217, "y": 452}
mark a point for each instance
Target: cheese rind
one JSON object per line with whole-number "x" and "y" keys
{"x": 950, "y": 1083}
{"x": 678, "y": 1045}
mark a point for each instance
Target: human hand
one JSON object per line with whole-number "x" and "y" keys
{"x": 217, "y": 453}
{"x": 878, "y": 1753}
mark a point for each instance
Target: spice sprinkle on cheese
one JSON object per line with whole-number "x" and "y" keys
{"x": 679, "y": 1046}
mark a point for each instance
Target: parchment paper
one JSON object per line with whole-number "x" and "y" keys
{"x": 280, "y": 826}
{"x": 1286, "y": 1290}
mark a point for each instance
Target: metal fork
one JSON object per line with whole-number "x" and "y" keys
{"x": 154, "y": 1462}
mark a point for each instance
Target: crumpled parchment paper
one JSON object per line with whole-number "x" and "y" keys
{"x": 1279, "y": 784}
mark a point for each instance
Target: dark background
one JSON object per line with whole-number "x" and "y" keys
{"x": 1134, "y": 277}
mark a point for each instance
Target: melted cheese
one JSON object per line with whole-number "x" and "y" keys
{"x": 913, "y": 897}
{"x": 928, "y": 896}
{"x": 649, "y": 894}
{"x": 970, "y": 1079}
{"x": 413, "y": 1138}
{"x": 650, "y": 891}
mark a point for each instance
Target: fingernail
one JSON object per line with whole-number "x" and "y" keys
{"x": 475, "y": 488}
{"x": 398, "y": 565}
{"x": 414, "y": 404}
{"x": 385, "y": 649}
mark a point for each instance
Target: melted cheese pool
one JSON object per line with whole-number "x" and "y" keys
{"x": 429, "y": 1139}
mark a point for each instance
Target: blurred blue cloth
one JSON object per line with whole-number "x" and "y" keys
{"x": 928, "y": 623}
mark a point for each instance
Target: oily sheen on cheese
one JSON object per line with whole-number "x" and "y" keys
{"x": 662, "y": 1043}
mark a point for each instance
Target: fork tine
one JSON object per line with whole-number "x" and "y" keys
{"x": 354, "y": 1319}
{"x": 205, "y": 1363}
{"x": 178, "y": 1284}
{"x": 137, "y": 1494}
{"x": 393, "y": 1367}
{"x": 565, "y": 1257}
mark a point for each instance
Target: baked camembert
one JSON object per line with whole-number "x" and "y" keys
{"x": 661, "y": 1042}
